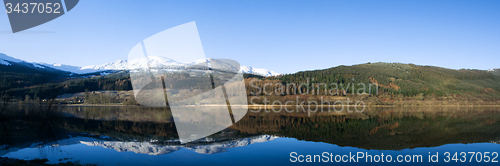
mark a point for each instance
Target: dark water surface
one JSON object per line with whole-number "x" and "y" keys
{"x": 147, "y": 136}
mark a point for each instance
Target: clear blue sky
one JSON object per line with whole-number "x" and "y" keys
{"x": 284, "y": 36}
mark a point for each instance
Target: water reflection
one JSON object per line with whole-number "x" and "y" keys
{"x": 151, "y": 131}
{"x": 207, "y": 146}
{"x": 383, "y": 128}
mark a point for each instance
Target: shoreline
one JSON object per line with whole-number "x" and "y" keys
{"x": 39, "y": 161}
{"x": 271, "y": 106}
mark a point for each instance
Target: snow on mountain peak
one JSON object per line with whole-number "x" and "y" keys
{"x": 258, "y": 71}
{"x": 63, "y": 67}
{"x": 162, "y": 61}
{"x": 125, "y": 65}
{"x": 4, "y": 59}
{"x": 154, "y": 149}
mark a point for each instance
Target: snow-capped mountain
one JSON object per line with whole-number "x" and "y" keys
{"x": 161, "y": 61}
{"x": 69, "y": 68}
{"x": 136, "y": 147}
{"x": 135, "y": 64}
{"x": 222, "y": 147}
{"x": 10, "y": 64}
{"x": 7, "y": 60}
{"x": 149, "y": 148}
{"x": 258, "y": 71}
{"x": 124, "y": 65}
{"x": 153, "y": 149}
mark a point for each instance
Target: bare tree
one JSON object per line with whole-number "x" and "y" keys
{"x": 5, "y": 102}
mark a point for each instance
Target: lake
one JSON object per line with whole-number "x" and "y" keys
{"x": 147, "y": 136}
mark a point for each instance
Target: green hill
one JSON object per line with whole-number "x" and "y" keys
{"x": 392, "y": 78}
{"x": 406, "y": 79}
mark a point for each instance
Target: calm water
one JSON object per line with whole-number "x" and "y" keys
{"x": 147, "y": 136}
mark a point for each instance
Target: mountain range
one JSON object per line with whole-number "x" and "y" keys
{"x": 115, "y": 66}
{"x": 20, "y": 78}
{"x": 152, "y": 147}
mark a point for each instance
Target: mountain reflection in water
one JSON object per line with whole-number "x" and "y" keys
{"x": 151, "y": 131}
{"x": 152, "y": 148}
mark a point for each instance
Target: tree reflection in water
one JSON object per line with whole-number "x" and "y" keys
{"x": 382, "y": 128}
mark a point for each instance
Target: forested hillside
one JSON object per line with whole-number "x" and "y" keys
{"x": 18, "y": 85}
{"x": 406, "y": 79}
{"x": 393, "y": 79}
{"x": 116, "y": 81}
